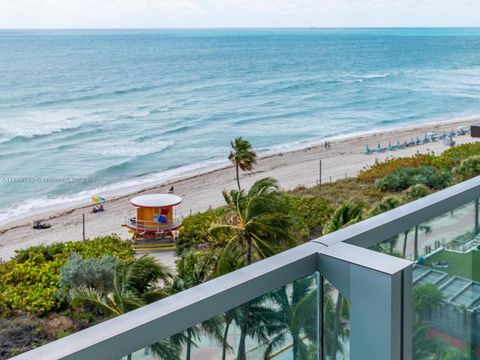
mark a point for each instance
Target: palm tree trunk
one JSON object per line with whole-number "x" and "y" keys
{"x": 295, "y": 346}
{"x": 416, "y": 243}
{"x": 224, "y": 340}
{"x": 336, "y": 326}
{"x": 238, "y": 176}
{"x": 241, "y": 355}
{"x": 404, "y": 251}
{"x": 249, "y": 250}
{"x": 189, "y": 344}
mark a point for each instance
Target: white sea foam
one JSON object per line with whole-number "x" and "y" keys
{"x": 43, "y": 122}
{"x": 126, "y": 148}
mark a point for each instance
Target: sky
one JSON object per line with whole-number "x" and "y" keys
{"x": 237, "y": 13}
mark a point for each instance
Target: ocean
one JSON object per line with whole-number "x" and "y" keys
{"x": 87, "y": 113}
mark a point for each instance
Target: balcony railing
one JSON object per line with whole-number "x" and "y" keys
{"x": 377, "y": 286}
{"x": 150, "y": 226}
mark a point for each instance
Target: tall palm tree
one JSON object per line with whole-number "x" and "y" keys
{"x": 258, "y": 221}
{"x": 242, "y": 156}
{"x": 259, "y": 224}
{"x": 347, "y": 214}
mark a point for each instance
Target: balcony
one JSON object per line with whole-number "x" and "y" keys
{"x": 376, "y": 265}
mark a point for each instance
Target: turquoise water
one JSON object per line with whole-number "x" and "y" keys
{"x": 83, "y": 112}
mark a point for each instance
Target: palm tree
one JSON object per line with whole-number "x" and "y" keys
{"x": 329, "y": 338}
{"x": 258, "y": 221}
{"x": 347, "y": 214}
{"x": 427, "y": 229}
{"x": 297, "y": 304}
{"x": 242, "y": 156}
{"x": 259, "y": 224}
{"x": 135, "y": 284}
{"x": 231, "y": 261}
{"x": 194, "y": 268}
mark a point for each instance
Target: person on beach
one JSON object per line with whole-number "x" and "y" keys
{"x": 171, "y": 190}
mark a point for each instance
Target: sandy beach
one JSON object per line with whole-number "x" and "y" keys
{"x": 292, "y": 168}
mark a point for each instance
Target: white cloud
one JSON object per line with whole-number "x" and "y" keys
{"x": 236, "y": 13}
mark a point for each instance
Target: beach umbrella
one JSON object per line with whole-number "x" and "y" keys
{"x": 430, "y": 134}
{"x": 98, "y": 199}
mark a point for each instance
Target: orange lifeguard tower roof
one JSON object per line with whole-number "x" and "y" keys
{"x": 156, "y": 201}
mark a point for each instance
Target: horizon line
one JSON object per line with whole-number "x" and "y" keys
{"x": 245, "y": 28}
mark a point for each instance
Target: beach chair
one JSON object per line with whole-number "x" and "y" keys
{"x": 390, "y": 147}
{"x": 426, "y": 140}
{"x": 452, "y": 134}
{"x": 368, "y": 151}
{"x": 443, "y": 136}
{"x": 400, "y": 146}
{"x": 379, "y": 149}
{"x": 418, "y": 141}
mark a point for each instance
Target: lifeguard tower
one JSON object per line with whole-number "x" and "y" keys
{"x": 153, "y": 216}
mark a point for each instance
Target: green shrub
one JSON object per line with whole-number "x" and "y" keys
{"x": 401, "y": 179}
{"x": 468, "y": 168}
{"x": 31, "y": 280}
{"x": 310, "y": 214}
{"x": 194, "y": 231}
{"x": 425, "y": 298}
{"x": 416, "y": 192}
{"x": 381, "y": 169}
{"x": 386, "y": 204}
{"x": 89, "y": 273}
{"x": 454, "y": 156}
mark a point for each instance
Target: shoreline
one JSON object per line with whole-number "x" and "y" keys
{"x": 137, "y": 184}
{"x": 293, "y": 165}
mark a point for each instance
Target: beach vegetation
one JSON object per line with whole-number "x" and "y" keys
{"x": 416, "y": 192}
{"x": 242, "y": 156}
{"x": 30, "y": 281}
{"x": 386, "y": 204}
{"x": 195, "y": 234}
{"x": 403, "y": 178}
{"x": 467, "y": 169}
{"x": 91, "y": 272}
{"x": 454, "y": 156}
{"x": 381, "y": 169}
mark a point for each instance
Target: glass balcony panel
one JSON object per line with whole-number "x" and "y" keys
{"x": 281, "y": 325}
{"x": 336, "y": 324}
{"x": 446, "y": 283}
